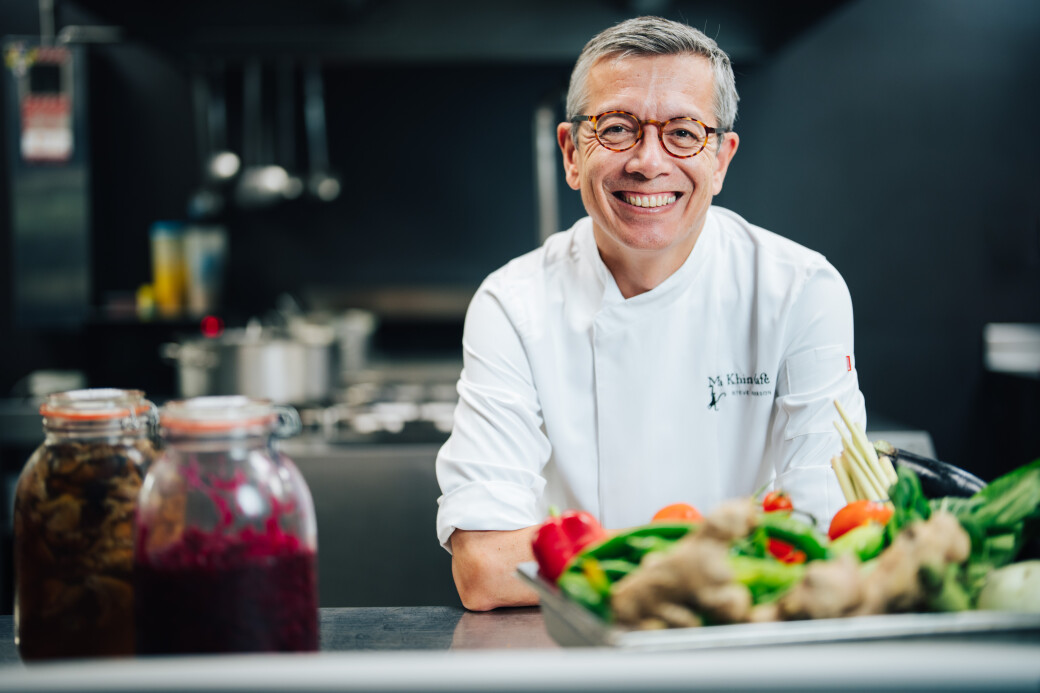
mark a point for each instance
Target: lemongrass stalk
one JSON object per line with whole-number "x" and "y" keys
{"x": 855, "y": 476}
{"x": 847, "y": 489}
{"x": 857, "y": 457}
{"x": 890, "y": 470}
{"x": 866, "y": 484}
{"x": 858, "y": 436}
{"x": 857, "y": 493}
{"x": 861, "y": 437}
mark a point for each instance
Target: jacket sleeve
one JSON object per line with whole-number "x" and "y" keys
{"x": 818, "y": 367}
{"x": 489, "y": 470}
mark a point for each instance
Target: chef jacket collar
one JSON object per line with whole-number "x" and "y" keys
{"x": 665, "y": 292}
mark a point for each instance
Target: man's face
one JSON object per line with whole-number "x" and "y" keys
{"x": 658, "y": 88}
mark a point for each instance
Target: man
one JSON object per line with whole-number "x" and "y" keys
{"x": 660, "y": 350}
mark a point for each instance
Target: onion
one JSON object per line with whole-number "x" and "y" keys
{"x": 1014, "y": 587}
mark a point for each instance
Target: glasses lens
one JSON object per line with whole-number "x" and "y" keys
{"x": 617, "y": 130}
{"x": 684, "y": 136}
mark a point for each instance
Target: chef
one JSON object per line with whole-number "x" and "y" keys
{"x": 660, "y": 350}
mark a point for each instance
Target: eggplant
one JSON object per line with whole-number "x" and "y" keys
{"x": 938, "y": 479}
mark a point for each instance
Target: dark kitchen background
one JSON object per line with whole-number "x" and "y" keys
{"x": 900, "y": 139}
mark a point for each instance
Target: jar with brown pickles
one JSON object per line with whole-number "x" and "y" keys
{"x": 74, "y": 512}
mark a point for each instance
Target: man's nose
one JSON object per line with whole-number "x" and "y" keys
{"x": 648, "y": 156}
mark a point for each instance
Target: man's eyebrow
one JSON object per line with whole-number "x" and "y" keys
{"x": 689, "y": 114}
{"x": 674, "y": 114}
{"x": 692, "y": 113}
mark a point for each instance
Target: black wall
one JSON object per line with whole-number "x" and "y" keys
{"x": 438, "y": 182}
{"x": 900, "y": 139}
{"x": 436, "y": 208}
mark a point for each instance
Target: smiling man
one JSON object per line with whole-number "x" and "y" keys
{"x": 660, "y": 350}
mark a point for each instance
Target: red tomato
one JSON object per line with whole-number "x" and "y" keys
{"x": 859, "y": 513}
{"x": 684, "y": 512}
{"x": 785, "y": 553}
{"x": 777, "y": 500}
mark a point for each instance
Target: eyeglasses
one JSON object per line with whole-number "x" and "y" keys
{"x": 681, "y": 137}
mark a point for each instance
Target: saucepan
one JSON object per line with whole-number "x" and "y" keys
{"x": 257, "y": 362}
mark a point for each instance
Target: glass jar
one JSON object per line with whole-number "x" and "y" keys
{"x": 73, "y": 525}
{"x": 226, "y": 547}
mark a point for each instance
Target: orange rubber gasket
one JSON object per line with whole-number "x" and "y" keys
{"x": 191, "y": 426}
{"x": 64, "y": 413}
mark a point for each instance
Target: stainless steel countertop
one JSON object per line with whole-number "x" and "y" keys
{"x": 391, "y": 628}
{"x": 449, "y": 649}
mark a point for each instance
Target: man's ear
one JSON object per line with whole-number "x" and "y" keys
{"x": 570, "y": 153}
{"x": 725, "y": 154}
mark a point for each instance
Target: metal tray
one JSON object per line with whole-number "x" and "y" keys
{"x": 571, "y": 625}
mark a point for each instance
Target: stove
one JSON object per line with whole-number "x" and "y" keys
{"x": 392, "y": 403}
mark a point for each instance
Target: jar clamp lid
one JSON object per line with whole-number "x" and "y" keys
{"x": 100, "y": 406}
{"x": 233, "y": 414}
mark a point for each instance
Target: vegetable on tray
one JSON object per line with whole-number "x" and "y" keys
{"x": 1014, "y": 587}
{"x": 678, "y": 511}
{"x": 894, "y": 552}
{"x": 561, "y": 537}
{"x": 858, "y": 513}
{"x": 777, "y": 501}
{"x": 862, "y": 473}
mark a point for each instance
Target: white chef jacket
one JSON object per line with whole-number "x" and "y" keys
{"x": 716, "y": 383}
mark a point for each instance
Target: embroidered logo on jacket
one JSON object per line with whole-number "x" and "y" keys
{"x": 737, "y": 385}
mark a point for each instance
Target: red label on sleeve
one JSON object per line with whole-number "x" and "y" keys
{"x": 848, "y": 361}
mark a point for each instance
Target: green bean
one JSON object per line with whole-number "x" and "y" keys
{"x": 801, "y": 535}
{"x": 621, "y": 544}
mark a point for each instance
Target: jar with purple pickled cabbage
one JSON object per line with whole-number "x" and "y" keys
{"x": 74, "y": 509}
{"x": 225, "y": 555}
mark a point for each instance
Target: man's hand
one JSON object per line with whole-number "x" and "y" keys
{"x": 484, "y": 567}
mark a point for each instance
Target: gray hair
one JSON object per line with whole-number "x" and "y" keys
{"x": 643, "y": 36}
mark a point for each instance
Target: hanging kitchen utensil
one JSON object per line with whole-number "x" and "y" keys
{"x": 323, "y": 183}
{"x": 285, "y": 91}
{"x": 262, "y": 183}
{"x": 206, "y": 202}
{"x": 218, "y": 163}
{"x": 223, "y": 163}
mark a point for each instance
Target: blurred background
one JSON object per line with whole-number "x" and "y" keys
{"x": 191, "y": 189}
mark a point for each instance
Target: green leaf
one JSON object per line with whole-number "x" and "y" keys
{"x": 1010, "y": 499}
{"x": 1001, "y": 517}
{"x": 908, "y": 501}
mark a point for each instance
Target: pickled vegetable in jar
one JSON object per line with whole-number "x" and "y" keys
{"x": 74, "y": 509}
{"x": 226, "y": 545}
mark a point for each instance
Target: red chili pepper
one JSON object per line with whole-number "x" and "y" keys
{"x": 561, "y": 537}
{"x": 785, "y": 553}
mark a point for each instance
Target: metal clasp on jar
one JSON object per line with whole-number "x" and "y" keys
{"x": 136, "y": 422}
{"x": 287, "y": 424}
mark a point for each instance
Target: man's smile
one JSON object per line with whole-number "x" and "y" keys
{"x": 648, "y": 200}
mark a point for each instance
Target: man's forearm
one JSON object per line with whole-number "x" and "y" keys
{"x": 484, "y": 567}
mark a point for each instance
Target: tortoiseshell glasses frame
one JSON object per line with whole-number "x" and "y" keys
{"x": 625, "y": 136}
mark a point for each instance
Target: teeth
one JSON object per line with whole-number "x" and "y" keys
{"x": 649, "y": 200}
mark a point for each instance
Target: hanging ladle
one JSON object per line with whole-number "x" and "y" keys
{"x": 285, "y": 91}
{"x": 323, "y": 183}
{"x": 218, "y": 164}
{"x": 262, "y": 183}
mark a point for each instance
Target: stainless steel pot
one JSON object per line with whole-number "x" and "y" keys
{"x": 254, "y": 363}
